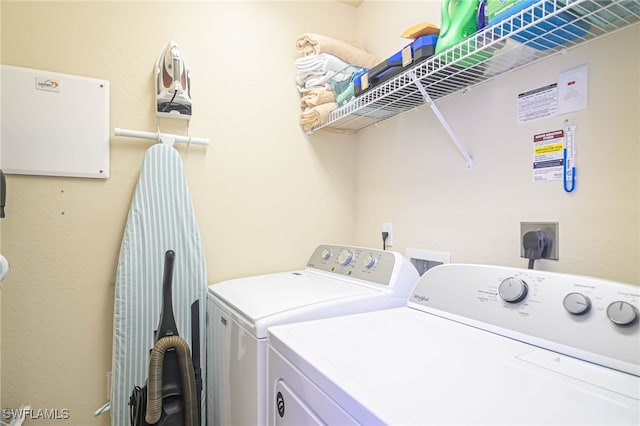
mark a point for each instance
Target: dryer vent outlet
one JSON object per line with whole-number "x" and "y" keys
{"x": 423, "y": 260}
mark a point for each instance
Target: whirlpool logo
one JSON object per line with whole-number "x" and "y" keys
{"x": 420, "y": 298}
{"x": 47, "y": 84}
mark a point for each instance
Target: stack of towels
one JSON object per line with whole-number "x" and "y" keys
{"x": 322, "y": 58}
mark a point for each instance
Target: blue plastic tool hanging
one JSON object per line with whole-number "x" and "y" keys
{"x": 569, "y": 168}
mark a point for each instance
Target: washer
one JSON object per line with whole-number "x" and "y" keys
{"x": 337, "y": 280}
{"x": 474, "y": 345}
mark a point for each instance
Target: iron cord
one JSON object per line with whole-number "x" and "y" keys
{"x": 166, "y": 106}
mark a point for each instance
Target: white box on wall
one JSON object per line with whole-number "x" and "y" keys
{"x": 53, "y": 124}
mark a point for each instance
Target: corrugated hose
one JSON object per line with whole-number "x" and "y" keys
{"x": 154, "y": 384}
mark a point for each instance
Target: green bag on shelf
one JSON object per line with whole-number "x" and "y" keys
{"x": 459, "y": 21}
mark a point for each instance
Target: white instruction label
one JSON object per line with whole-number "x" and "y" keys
{"x": 538, "y": 103}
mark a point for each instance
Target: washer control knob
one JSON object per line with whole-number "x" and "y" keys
{"x": 326, "y": 254}
{"x": 370, "y": 261}
{"x": 576, "y": 303}
{"x": 622, "y": 313}
{"x": 512, "y": 290}
{"x": 345, "y": 257}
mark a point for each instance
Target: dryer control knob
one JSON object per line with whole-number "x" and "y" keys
{"x": 345, "y": 257}
{"x": 370, "y": 261}
{"x": 576, "y": 303}
{"x": 326, "y": 254}
{"x": 512, "y": 290}
{"x": 622, "y": 313}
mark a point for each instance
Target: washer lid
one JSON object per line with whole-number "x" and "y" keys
{"x": 404, "y": 366}
{"x": 258, "y": 297}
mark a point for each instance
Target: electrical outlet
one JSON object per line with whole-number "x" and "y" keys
{"x": 550, "y": 229}
{"x": 388, "y": 227}
{"x": 424, "y": 260}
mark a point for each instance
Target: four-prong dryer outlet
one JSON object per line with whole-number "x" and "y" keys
{"x": 337, "y": 280}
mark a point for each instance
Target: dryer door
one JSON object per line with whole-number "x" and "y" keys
{"x": 291, "y": 410}
{"x": 295, "y": 400}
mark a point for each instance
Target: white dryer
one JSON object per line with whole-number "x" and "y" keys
{"x": 337, "y": 280}
{"x": 474, "y": 345}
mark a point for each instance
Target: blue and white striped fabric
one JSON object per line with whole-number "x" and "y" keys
{"x": 161, "y": 218}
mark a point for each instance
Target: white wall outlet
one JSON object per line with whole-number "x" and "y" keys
{"x": 388, "y": 227}
{"x": 424, "y": 260}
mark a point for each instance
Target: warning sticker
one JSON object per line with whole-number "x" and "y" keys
{"x": 548, "y": 153}
{"x": 538, "y": 103}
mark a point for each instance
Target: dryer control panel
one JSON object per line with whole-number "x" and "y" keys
{"x": 374, "y": 266}
{"x": 585, "y": 317}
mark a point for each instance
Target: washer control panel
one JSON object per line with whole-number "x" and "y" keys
{"x": 375, "y": 266}
{"x": 599, "y": 319}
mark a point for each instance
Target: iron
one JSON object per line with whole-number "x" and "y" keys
{"x": 173, "y": 84}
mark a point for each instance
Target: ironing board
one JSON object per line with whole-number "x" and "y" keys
{"x": 161, "y": 217}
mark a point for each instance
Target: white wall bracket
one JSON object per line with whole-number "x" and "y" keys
{"x": 442, "y": 120}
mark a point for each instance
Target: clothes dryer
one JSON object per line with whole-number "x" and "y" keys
{"x": 337, "y": 280}
{"x": 474, "y": 345}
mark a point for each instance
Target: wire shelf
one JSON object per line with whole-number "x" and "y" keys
{"x": 546, "y": 28}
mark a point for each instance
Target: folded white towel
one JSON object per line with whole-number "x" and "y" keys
{"x": 301, "y": 80}
{"x": 320, "y": 62}
{"x": 316, "y": 82}
{"x": 305, "y": 90}
{"x": 317, "y": 67}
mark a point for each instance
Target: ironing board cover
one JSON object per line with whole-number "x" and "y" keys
{"x": 161, "y": 217}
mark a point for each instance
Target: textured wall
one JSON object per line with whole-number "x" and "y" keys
{"x": 410, "y": 173}
{"x": 265, "y": 195}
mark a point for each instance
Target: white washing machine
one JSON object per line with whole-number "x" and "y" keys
{"x": 337, "y": 280}
{"x": 474, "y": 345}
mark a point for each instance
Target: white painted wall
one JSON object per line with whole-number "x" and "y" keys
{"x": 410, "y": 173}
{"x": 264, "y": 194}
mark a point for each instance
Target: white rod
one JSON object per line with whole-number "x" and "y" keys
{"x": 106, "y": 407}
{"x": 160, "y": 137}
{"x": 443, "y": 121}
